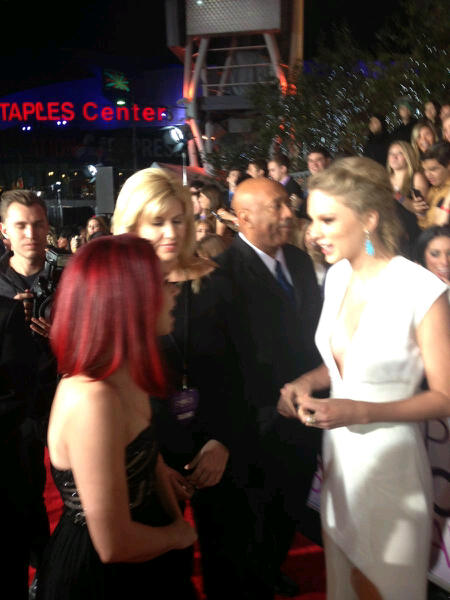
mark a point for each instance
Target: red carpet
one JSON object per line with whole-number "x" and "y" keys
{"x": 304, "y": 564}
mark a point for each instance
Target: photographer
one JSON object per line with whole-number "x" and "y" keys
{"x": 23, "y": 273}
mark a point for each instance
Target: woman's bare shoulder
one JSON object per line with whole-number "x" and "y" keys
{"x": 80, "y": 396}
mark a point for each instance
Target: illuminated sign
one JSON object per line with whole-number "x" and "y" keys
{"x": 89, "y": 111}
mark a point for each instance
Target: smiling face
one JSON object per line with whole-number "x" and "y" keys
{"x": 316, "y": 162}
{"x": 335, "y": 228}
{"x": 166, "y": 231}
{"x": 437, "y": 257}
{"x": 425, "y": 139}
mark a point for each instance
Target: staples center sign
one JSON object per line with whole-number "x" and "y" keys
{"x": 89, "y": 111}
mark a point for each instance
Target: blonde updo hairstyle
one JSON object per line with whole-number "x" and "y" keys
{"x": 363, "y": 185}
{"x": 154, "y": 187}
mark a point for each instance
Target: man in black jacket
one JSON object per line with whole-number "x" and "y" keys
{"x": 17, "y": 382}
{"x": 278, "y": 168}
{"x": 274, "y": 307}
{"x": 25, "y": 225}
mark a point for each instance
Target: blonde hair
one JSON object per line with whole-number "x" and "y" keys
{"x": 154, "y": 187}
{"x": 415, "y": 134}
{"x": 412, "y": 162}
{"x": 363, "y": 185}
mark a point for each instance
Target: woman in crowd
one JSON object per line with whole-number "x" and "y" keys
{"x": 303, "y": 239}
{"x": 196, "y": 436}
{"x": 431, "y": 110}
{"x": 94, "y": 225}
{"x": 404, "y": 173}
{"x": 203, "y": 228}
{"x": 378, "y": 139}
{"x": 121, "y": 519}
{"x": 423, "y": 136}
{"x": 446, "y": 129}
{"x": 433, "y": 252}
{"x": 384, "y": 322}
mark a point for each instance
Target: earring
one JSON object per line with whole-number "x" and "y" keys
{"x": 368, "y": 245}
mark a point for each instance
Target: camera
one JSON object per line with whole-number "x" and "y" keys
{"x": 43, "y": 289}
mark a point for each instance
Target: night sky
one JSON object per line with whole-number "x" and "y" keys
{"x": 38, "y": 42}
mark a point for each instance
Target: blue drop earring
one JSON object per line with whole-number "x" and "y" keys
{"x": 368, "y": 245}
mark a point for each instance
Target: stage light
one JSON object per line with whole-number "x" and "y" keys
{"x": 90, "y": 172}
{"x": 175, "y": 138}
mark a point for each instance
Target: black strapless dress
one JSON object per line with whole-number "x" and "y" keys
{"x": 72, "y": 570}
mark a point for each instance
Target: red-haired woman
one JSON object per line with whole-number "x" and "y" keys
{"x": 120, "y": 519}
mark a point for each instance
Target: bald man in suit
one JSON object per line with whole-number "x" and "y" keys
{"x": 274, "y": 307}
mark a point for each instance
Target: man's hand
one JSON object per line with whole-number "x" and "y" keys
{"x": 208, "y": 465}
{"x": 420, "y": 207}
{"x": 181, "y": 486}
{"x": 40, "y": 326}
{"x": 27, "y": 299}
{"x": 290, "y": 397}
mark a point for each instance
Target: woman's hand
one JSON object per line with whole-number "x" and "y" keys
{"x": 291, "y": 395}
{"x": 208, "y": 465}
{"x": 183, "y": 489}
{"x": 329, "y": 413}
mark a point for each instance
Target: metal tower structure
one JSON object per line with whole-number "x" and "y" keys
{"x": 227, "y": 46}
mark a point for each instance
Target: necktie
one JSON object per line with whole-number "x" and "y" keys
{"x": 287, "y": 287}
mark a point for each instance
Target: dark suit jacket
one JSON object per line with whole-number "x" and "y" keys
{"x": 17, "y": 385}
{"x": 274, "y": 340}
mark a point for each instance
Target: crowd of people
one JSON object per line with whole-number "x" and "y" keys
{"x": 205, "y": 347}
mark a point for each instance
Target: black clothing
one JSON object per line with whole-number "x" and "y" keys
{"x": 72, "y": 570}
{"x": 411, "y": 230}
{"x": 17, "y": 380}
{"x": 221, "y": 511}
{"x": 377, "y": 146}
{"x": 34, "y": 427}
{"x": 292, "y": 187}
{"x": 274, "y": 340}
{"x": 403, "y": 132}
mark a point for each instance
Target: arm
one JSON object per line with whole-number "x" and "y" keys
{"x": 165, "y": 486}
{"x": 420, "y": 183}
{"x": 433, "y": 336}
{"x": 314, "y": 381}
{"x": 442, "y": 213}
{"x": 95, "y": 438}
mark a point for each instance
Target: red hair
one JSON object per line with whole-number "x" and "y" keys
{"x": 106, "y": 309}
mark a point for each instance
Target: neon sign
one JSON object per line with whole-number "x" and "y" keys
{"x": 90, "y": 111}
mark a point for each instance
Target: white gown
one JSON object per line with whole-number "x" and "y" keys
{"x": 376, "y": 503}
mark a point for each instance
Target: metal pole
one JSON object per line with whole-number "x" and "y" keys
{"x": 297, "y": 35}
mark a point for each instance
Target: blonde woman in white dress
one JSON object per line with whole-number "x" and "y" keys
{"x": 385, "y": 322}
